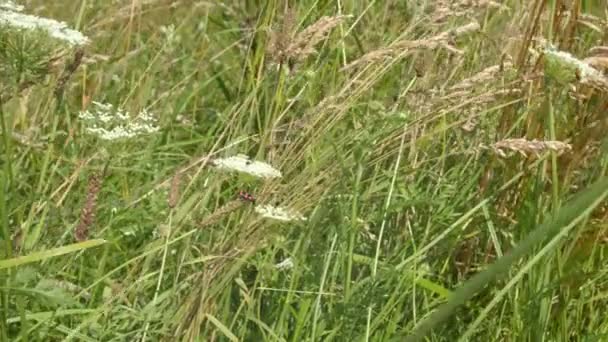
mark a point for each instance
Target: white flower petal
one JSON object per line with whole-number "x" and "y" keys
{"x": 10, "y": 6}
{"x": 108, "y": 123}
{"x": 10, "y": 16}
{"x": 279, "y": 213}
{"x": 284, "y": 265}
{"x": 242, "y": 163}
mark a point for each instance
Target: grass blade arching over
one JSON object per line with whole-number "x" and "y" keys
{"x": 43, "y": 255}
{"x": 575, "y": 210}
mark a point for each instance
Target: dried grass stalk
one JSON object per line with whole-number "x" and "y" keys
{"x": 487, "y": 75}
{"x": 598, "y": 62}
{"x": 174, "y": 190}
{"x": 450, "y": 9}
{"x": 304, "y": 42}
{"x": 405, "y": 47}
{"x": 529, "y": 147}
{"x": 285, "y": 47}
{"x": 220, "y": 213}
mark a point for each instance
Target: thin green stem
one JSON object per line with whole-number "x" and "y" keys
{"x": 6, "y": 140}
{"x": 353, "y": 232}
{"x": 5, "y": 186}
{"x": 554, "y": 175}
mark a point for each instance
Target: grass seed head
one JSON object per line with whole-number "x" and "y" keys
{"x": 529, "y": 147}
{"x": 286, "y": 47}
{"x": 88, "y": 212}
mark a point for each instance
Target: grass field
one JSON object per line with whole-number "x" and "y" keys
{"x": 315, "y": 170}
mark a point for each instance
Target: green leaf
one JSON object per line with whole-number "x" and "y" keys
{"x": 576, "y": 210}
{"x": 43, "y": 255}
{"x": 224, "y": 329}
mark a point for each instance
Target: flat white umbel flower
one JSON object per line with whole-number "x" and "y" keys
{"x": 108, "y": 123}
{"x": 242, "y": 163}
{"x": 279, "y": 213}
{"x": 10, "y": 16}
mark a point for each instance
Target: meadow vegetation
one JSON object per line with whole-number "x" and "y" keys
{"x": 314, "y": 170}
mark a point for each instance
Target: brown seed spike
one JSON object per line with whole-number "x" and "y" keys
{"x": 87, "y": 215}
{"x": 174, "y": 190}
{"x": 69, "y": 70}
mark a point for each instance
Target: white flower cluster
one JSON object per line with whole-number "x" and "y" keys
{"x": 10, "y": 6}
{"x": 10, "y": 16}
{"x": 564, "y": 66}
{"x": 284, "y": 265}
{"x": 568, "y": 59}
{"x": 242, "y": 163}
{"x": 279, "y": 213}
{"x": 108, "y": 123}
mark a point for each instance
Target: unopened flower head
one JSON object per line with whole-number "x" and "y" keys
{"x": 109, "y": 123}
{"x": 242, "y": 163}
{"x": 279, "y": 213}
{"x": 10, "y": 16}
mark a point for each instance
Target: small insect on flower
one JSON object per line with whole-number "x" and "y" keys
{"x": 247, "y": 197}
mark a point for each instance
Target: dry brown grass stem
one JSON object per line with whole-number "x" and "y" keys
{"x": 598, "y": 58}
{"x": 592, "y": 22}
{"x": 598, "y": 51}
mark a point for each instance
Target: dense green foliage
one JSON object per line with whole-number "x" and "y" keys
{"x": 389, "y": 121}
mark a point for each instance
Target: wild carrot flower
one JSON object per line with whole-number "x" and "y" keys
{"x": 10, "y": 16}
{"x": 284, "y": 265}
{"x": 109, "y": 123}
{"x": 564, "y": 67}
{"x": 279, "y": 213}
{"x": 10, "y": 6}
{"x": 242, "y": 163}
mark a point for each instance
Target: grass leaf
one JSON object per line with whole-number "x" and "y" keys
{"x": 50, "y": 253}
{"x": 576, "y": 210}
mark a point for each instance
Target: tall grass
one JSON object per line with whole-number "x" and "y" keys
{"x": 304, "y": 170}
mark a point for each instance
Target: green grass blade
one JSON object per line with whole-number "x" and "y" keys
{"x": 574, "y": 211}
{"x": 43, "y": 255}
{"x": 224, "y": 329}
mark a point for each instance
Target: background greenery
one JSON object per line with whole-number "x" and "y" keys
{"x": 415, "y": 227}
